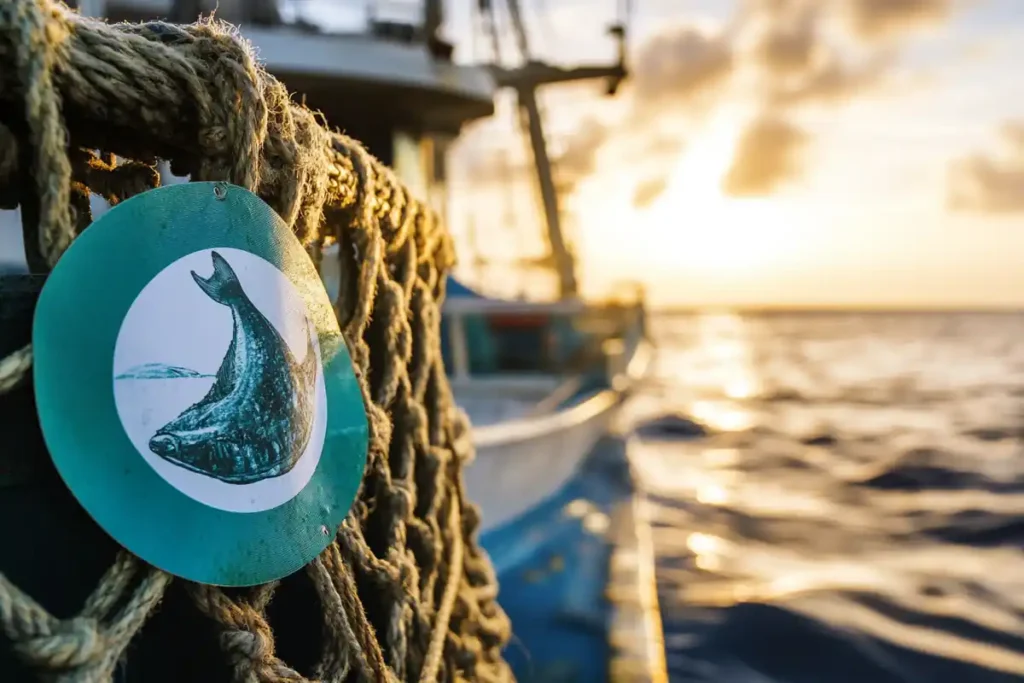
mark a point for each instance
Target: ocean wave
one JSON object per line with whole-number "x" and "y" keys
{"x": 979, "y": 528}
{"x": 671, "y": 426}
{"x": 921, "y": 469}
{"x": 867, "y": 524}
{"x": 160, "y": 371}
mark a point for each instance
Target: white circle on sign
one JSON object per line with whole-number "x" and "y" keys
{"x": 214, "y": 384}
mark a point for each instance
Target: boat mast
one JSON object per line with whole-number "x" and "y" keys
{"x": 526, "y": 80}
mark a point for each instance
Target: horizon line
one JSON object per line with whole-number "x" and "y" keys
{"x": 836, "y": 308}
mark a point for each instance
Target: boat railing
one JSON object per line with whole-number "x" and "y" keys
{"x": 639, "y": 360}
{"x": 565, "y": 391}
{"x": 632, "y": 365}
{"x": 584, "y": 351}
{"x": 615, "y": 356}
{"x": 457, "y": 309}
{"x": 526, "y": 385}
{"x": 461, "y": 306}
{"x": 530, "y": 429}
{"x": 398, "y": 11}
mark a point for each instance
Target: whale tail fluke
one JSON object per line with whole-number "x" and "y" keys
{"x": 223, "y": 286}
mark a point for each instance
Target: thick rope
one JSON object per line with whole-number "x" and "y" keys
{"x": 87, "y": 647}
{"x": 405, "y": 592}
{"x": 14, "y": 368}
{"x": 37, "y": 45}
{"x": 434, "y": 652}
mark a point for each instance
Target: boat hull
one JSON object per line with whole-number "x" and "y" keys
{"x": 551, "y": 475}
{"x": 576, "y": 580}
{"x": 560, "y": 524}
{"x": 520, "y": 465}
{"x": 522, "y": 462}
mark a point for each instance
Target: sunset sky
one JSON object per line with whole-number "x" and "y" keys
{"x": 764, "y": 152}
{"x": 800, "y": 152}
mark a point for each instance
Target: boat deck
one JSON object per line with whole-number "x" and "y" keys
{"x": 638, "y": 648}
{"x": 577, "y": 581}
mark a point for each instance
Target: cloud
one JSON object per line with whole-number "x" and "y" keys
{"x": 802, "y": 63}
{"x": 798, "y": 55}
{"x": 1013, "y": 134}
{"x": 488, "y": 164}
{"x": 649, "y": 190}
{"x": 832, "y": 81}
{"x": 680, "y": 64}
{"x": 789, "y": 42}
{"x": 994, "y": 184}
{"x": 675, "y": 71}
{"x": 873, "y": 19}
{"x": 485, "y": 163}
{"x": 768, "y": 154}
{"x": 579, "y": 156}
{"x": 576, "y": 159}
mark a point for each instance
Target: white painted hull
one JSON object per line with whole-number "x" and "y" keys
{"x": 520, "y": 464}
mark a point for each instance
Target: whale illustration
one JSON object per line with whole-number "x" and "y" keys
{"x": 256, "y": 420}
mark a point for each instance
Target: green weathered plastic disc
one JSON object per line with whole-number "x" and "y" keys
{"x": 194, "y": 388}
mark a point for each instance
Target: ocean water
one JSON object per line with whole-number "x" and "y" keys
{"x": 856, "y": 513}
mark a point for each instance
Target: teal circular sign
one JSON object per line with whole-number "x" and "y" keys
{"x": 194, "y": 388}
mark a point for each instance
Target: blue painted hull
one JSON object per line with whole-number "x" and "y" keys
{"x": 553, "y": 571}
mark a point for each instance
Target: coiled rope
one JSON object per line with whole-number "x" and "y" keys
{"x": 404, "y": 591}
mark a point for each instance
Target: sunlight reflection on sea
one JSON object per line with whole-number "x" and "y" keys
{"x": 857, "y": 513}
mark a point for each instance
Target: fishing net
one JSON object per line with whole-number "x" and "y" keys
{"x": 403, "y": 593}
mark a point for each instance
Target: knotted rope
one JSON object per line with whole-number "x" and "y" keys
{"x": 404, "y": 591}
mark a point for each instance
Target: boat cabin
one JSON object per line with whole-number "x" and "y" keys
{"x": 483, "y": 337}
{"x": 386, "y": 78}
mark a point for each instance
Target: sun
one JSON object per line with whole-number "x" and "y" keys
{"x": 706, "y": 231}
{"x": 693, "y": 237}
